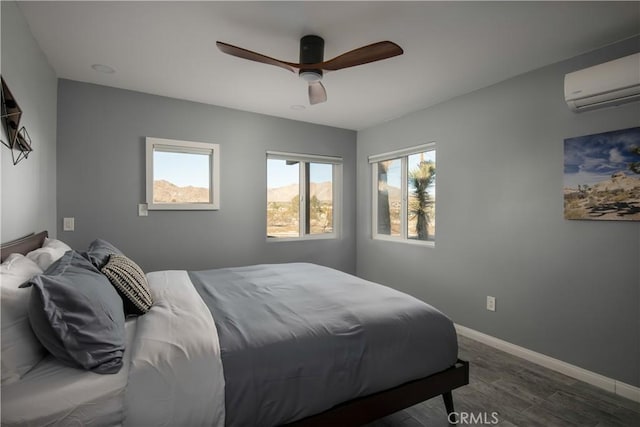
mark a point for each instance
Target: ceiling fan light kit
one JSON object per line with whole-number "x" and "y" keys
{"x": 312, "y": 64}
{"x": 310, "y": 76}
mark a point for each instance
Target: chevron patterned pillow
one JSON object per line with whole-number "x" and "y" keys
{"x": 130, "y": 282}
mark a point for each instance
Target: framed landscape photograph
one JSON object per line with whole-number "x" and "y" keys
{"x": 602, "y": 176}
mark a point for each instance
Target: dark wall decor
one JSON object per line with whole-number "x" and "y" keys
{"x": 18, "y": 137}
{"x": 602, "y": 176}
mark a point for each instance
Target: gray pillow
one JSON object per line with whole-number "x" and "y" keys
{"x": 99, "y": 252}
{"x": 77, "y": 315}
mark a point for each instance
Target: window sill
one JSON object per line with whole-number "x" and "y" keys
{"x": 414, "y": 242}
{"x": 331, "y": 236}
{"x": 183, "y": 207}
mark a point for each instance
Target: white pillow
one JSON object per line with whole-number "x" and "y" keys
{"x": 21, "y": 350}
{"x": 51, "y": 251}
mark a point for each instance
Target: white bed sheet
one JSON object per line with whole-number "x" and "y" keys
{"x": 55, "y": 394}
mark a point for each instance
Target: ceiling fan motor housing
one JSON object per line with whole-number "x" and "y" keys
{"x": 311, "y": 52}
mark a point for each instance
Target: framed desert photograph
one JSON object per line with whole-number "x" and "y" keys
{"x": 602, "y": 176}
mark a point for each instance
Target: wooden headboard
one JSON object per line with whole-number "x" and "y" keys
{"x": 23, "y": 245}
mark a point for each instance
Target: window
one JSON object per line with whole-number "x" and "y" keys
{"x": 302, "y": 196}
{"x": 404, "y": 194}
{"x": 182, "y": 175}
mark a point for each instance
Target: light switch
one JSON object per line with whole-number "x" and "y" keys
{"x": 143, "y": 209}
{"x": 69, "y": 224}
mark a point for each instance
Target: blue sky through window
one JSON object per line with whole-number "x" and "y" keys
{"x": 279, "y": 174}
{"x": 182, "y": 169}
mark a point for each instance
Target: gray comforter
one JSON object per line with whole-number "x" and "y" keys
{"x": 296, "y": 339}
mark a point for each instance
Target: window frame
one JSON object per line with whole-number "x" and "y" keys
{"x": 187, "y": 147}
{"x": 336, "y": 189}
{"x": 402, "y": 155}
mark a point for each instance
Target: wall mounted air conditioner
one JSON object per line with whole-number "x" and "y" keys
{"x": 604, "y": 85}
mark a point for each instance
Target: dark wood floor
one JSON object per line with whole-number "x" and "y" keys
{"x": 522, "y": 394}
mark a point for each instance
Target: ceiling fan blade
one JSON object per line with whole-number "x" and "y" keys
{"x": 257, "y": 57}
{"x": 362, "y": 55}
{"x": 317, "y": 93}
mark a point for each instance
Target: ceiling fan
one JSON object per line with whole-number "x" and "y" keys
{"x": 312, "y": 64}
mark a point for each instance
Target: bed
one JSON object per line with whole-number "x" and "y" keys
{"x": 281, "y": 344}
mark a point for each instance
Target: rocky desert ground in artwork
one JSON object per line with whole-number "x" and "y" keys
{"x": 617, "y": 198}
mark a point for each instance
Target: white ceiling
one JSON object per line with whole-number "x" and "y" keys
{"x": 451, "y": 48}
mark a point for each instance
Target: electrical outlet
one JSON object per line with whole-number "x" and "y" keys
{"x": 491, "y": 303}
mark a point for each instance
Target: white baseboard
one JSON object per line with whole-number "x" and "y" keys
{"x": 614, "y": 386}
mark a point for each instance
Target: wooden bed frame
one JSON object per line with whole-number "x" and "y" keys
{"x": 354, "y": 412}
{"x": 366, "y": 409}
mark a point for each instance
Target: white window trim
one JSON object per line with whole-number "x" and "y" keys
{"x": 336, "y": 191}
{"x": 402, "y": 155}
{"x": 430, "y": 146}
{"x": 313, "y": 158}
{"x": 184, "y": 147}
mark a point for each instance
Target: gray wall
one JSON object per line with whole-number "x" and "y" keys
{"x": 567, "y": 289}
{"x": 101, "y": 179}
{"x": 29, "y": 188}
